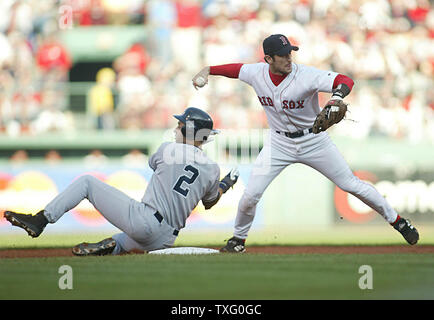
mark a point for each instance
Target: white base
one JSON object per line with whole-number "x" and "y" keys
{"x": 184, "y": 250}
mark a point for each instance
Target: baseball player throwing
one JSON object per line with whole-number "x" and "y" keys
{"x": 288, "y": 93}
{"x": 183, "y": 176}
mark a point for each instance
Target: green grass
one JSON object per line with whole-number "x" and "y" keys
{"x": 224, "y": 277}
{"x": 229, "y": 277}
{"x": 345, "y": 235}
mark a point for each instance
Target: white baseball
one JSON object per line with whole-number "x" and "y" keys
{"x": 200, "y": 81}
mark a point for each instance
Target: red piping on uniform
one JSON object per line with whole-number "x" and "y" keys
{"x": 231, "y": 70}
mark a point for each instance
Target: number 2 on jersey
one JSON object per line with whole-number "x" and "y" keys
{"x": 189, "y": 180}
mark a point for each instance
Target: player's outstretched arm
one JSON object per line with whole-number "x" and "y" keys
{"x": 227, "y": 182}
{"x": 231, "y": 70}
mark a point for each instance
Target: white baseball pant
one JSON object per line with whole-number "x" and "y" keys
{"x": 315, "y": 150}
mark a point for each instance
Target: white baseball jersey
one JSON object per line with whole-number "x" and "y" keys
{"x": 293, "y": 104}
{"x": 183, "y": 175}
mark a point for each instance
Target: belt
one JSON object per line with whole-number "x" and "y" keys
{"x": 160, "y": 218}
{"x": 296, "y": 134}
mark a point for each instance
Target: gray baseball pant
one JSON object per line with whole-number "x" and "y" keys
{"x": 141, "y": 229}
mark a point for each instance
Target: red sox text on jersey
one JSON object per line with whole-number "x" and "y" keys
{"x": 267, "y": 101}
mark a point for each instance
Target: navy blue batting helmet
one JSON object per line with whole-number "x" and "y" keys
{"x": 198, "y": 121}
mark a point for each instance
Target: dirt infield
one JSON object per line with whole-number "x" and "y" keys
{"x": 66, "y": 252}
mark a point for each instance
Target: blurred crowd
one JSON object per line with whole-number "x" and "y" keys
{"x": 386, "y": 46}
{"x": 96, "y": 158}
{"x": 34, "y": 68}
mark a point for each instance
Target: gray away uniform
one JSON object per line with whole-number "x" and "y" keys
{"x": 183, "y": 175}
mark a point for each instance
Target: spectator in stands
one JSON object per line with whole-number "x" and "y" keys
{"x": 19, "y": 157}
{"x": 101, "y": 100}
{"x": 385, "y": 45}
{"x": 417, "y": 11}
{"x": 51, "y": 118}
{"x": 135, "y": 159}
{"x": 95, "y": 159}
{"x": 53, "y": 157}
{"x": 161, "y": 21}
{"x": 136, "y": 53}
{"x": 135, "y": 92}
{"x": 187, "y": 34}
{"x": 6, "y": 52}
{"x": 53, "y": 58}
{"x": 90, "y": 12}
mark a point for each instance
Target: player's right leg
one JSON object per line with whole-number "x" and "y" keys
{"x": 264, "y": 170}
{"x": 118, "y": 244}
{"x": 125, "y": 244}
{"x": 121, "y": 243}
{"x": 102, "y": 248}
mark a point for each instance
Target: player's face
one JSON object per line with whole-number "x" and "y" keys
{"x": 281, "y": 64}
{"x": 179, "y": 138}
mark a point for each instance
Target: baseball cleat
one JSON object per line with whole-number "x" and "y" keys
{"x": 234, "y": 245}
{"x": 101, "y": 248}
{"x": 407, "y": 230}
{"x": 33, "y": 224}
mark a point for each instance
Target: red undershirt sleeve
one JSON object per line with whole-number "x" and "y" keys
{"x": 231, "y": 70}
{"x": 340, "y": 78}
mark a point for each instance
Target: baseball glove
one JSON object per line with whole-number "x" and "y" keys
{"x": 333, "y": 112}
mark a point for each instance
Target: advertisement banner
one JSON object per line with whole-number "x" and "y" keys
{"x": 409, "y": 192}
{"x": 28, "y": 189}
{"x": 290, "y": 200}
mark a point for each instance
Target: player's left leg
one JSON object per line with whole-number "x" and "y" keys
{"x": 112, "y": 203}
{"x": 123, "y": 212}
{"x": 328, "y": 160}
{"x": 125, "y": 244}
{"x": 33, "y": 224}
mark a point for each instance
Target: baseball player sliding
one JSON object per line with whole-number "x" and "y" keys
{"x": 183, "y": 176}
{"x": 288, "y": 93}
